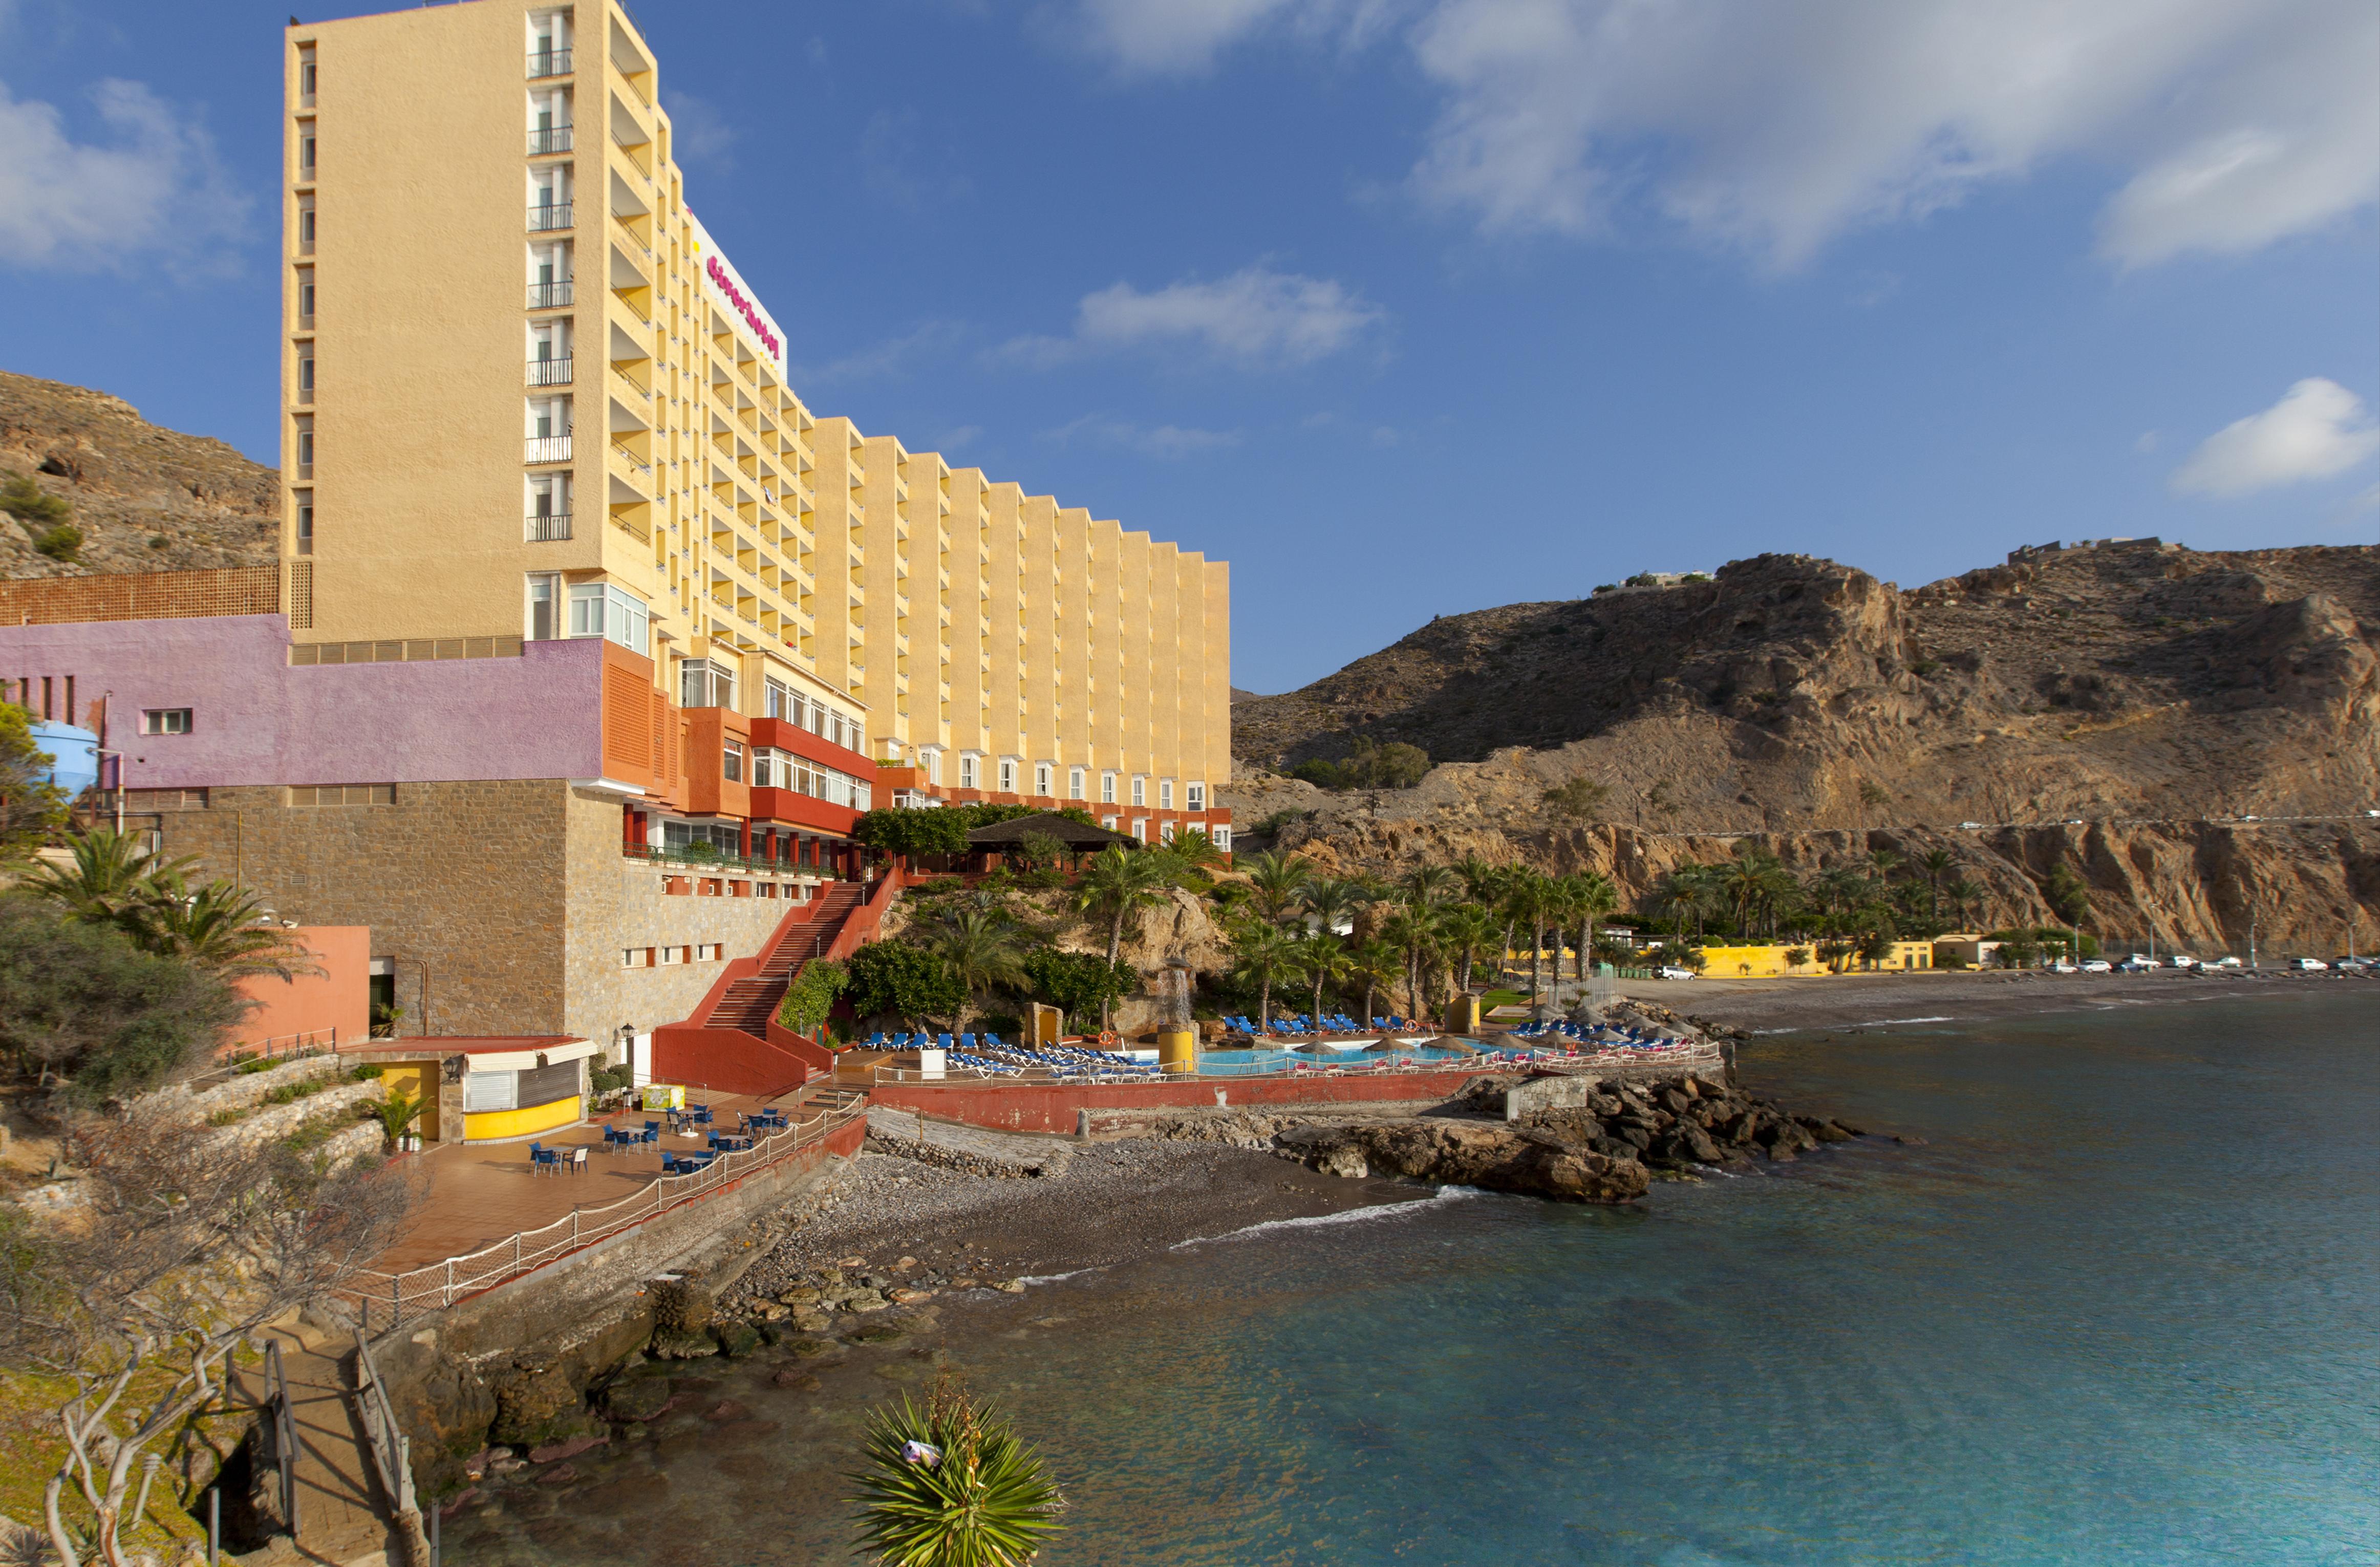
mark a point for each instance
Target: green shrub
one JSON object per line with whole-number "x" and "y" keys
{"x": 984, "y": 1498}
{"x": 255, "y": 1065}
{"x": 32, "y": 506}
{"x": 227, "y": 1118}
{"x": 811, "y": 995}
{"x": 367, "y": 1073}
{"x": 904, "y": 981}
{"x": 1078, "y": 984}
{"x": 62, "y": 543}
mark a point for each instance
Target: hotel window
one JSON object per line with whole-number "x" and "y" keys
{"x": 637, "y": 957}
{"x": 1194, "y": 798}
{"x": 1041, "y": 778}
{"x": 306, "y": 152}
{"x": 1139, "y": 790}
{"x": 549, "y": 44}
{"x": 967, "y": 772}
{"x": 933, "y": 760}
{"x": 550, "y": 197}
{"x": 548, "y": 353}
{"x": 306, "y": 226}
{"x": 1107, "y": 788}
{"x": 703, "y": 683}
{"x": 305, "y": 296}
{"x": 166, "y": 720}
{"x": 322, "y": 795}
{"x": 778, "y": 701}
{"x": 305, "y": 448}
{"x": 306, "y": 528}
{"x": 548, "y": 128}
{"x": 601, "y": 609}
{"x": 549, "y": 494}
{"x": 1109, "y": 822}
{"x": 1075, "y": 780}
{"x": 306, "y": 376}
{"x": 549, "y": 429}
{"x": 1165, "y": 794}
{"x": 731, "y": 766}
{"x": 1222, "y": 836}
{"x": 548, "y": 283}
{"x": 306, "y": 78}
{"x": 544, "y": 593}
{"x": 1007, "y": 776}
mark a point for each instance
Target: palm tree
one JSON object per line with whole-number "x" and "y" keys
{"x": 112, "y": 873}
{"x": 1483, "y": 884}
{"x": 1375, "y": 964}
{"x": 1412, "y": 932}
{"x": 220, "y": 928}
{"x": 1262, "y": 953}
{"x": 1195, "y": 849}
{"x": 1561, "y": 892}
{"x": 1466, "y": 927}
{"x": 1331, "y": 899}
{"x": 1427, "y": 886}
{"x": 1962, "y": 893}
{"x": 1526, "y": 898}
{"x": 1935, "y": 864}
{"x": 1119, "y": 884}
{"x": 1276, "y": 879}
{"x": 1322, "y": 959}
{"x": 983, "y": 948}
{"x": 1595, "y": 898}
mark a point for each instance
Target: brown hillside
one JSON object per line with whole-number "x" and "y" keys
{"x": 2146, "y": 694}
{"x": 130, "y": 481}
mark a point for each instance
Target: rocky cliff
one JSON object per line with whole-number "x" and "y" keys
{"x": 2145, "y": 711}
{"x": 146, "y": 498}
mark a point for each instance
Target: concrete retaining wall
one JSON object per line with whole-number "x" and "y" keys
{"x": 1053, "y": 1107}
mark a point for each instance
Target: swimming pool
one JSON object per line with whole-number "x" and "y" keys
{"x": 1258, "y": 1062}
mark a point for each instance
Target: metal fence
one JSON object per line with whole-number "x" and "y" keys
{"x": 388, "y": 1299}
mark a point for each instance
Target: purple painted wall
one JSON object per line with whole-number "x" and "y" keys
{"x": 257, "y": 719}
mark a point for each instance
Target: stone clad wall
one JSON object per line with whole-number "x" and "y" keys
{"x": 512, "y": 897}
{"x": 616, "y": 902}
{"x": 461, "y": 883}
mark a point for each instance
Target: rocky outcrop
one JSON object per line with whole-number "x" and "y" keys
{"x": 1468, "y": 1153}
{"x": 146, "y": 498}
{"x": 2132, "y": 705}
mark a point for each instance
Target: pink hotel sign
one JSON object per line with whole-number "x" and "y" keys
{"x": 728, "y": 288}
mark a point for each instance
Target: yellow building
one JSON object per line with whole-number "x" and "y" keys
{"x": 1765, "y": 962}
{"x": 479, "y": 192}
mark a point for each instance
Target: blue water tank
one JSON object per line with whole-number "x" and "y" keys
{"x": 76, "y": 750}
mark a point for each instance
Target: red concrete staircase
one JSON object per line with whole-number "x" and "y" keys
{"x": 732, "y": 1041}
{"x": 748, "y": 1003}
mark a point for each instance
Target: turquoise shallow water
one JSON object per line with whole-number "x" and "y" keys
{"x": 2123, "y": 1307}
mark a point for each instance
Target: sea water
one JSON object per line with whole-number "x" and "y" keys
{"x": 2122, "y": 1306}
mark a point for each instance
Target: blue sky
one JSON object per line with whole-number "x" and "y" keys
{"x": 1410, "y": 307}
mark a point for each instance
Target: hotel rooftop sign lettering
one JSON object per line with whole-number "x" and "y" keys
{"x": 726, "y": 286}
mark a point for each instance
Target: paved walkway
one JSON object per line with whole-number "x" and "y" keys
{"x": 483, "y": 1194}
{"x": 338, "y": 1513}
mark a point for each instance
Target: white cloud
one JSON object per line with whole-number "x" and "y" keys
{"x": 2317, "y": 429}
{"x": 1175, "y": 37}
{"x": 1774, "y": 129}
{"x": 1254, "y": 318}
{"x": 1164, "y": 440}
{"x": 155, "y": 186}
{"x": 894, "y": 358}
{"x": 701, "y": 131}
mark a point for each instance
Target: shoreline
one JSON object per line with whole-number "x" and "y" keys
{"x": 1865, "y": 1001}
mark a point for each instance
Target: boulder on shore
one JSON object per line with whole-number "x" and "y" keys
{"x": 1462, "y": 1153}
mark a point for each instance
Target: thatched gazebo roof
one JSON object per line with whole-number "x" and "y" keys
{"x": 1047, "y": 824}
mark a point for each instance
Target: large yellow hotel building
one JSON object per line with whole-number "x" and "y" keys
{"x": 527, "y": 396}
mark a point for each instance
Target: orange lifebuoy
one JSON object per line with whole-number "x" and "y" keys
{"x": 1108, "y": 1039}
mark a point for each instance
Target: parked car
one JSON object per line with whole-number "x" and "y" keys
{"x": 2351, "y": 964}
{"x": 2224, "y": 962}
{"x": 2062, "y": 967}
{"x": 2307, "y": 966}
{"x": 1673, "y": 974}
{"x": 2135, "y": 965}
{"x": 2098, "y": 966}
{"x": 2184, "y": 960}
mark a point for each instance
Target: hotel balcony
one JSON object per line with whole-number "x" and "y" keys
{"x": 548, "y": 295}
{"x": 553, "y": 139}
{"x": 549, "y": 62}
{"x": 547, "y": 449}
{"x": 548, "y": 529}
{"x": 550, "y": 372}
{"x": 548, "y": 216}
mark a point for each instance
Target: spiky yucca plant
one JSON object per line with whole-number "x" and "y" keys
{"x": 985, "y": 1500}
